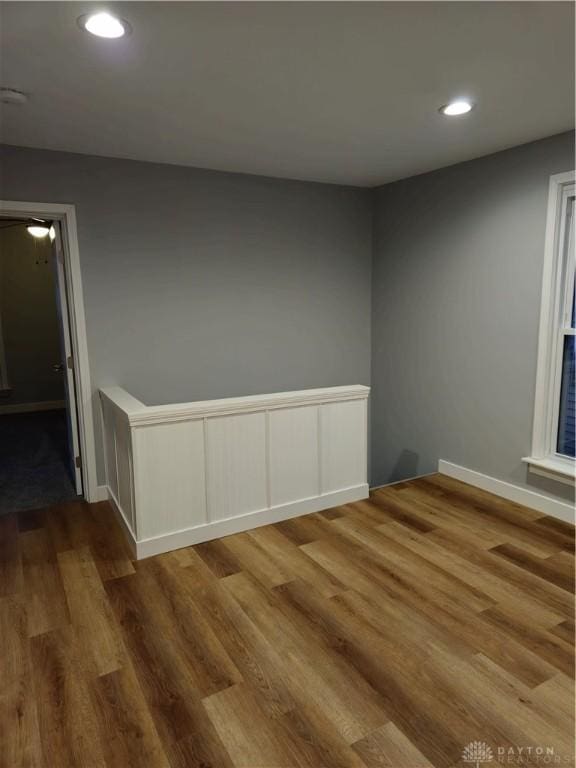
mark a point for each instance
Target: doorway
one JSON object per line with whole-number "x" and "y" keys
{"x": 64, "y": 214}
{"x": 40, "y": 462}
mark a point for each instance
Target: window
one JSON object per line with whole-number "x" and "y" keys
{"x": 553, "y": 441}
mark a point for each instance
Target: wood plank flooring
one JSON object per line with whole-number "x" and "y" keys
{"x": 390, "y": 632}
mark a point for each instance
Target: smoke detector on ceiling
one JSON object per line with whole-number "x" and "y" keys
{"x": 12, "y": 96}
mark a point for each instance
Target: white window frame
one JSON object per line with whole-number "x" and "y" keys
{"x": 555, "y": 310}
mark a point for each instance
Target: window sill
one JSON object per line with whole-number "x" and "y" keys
{"x": 561, "y": 468}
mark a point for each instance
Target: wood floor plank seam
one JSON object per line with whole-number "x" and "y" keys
{"x": 388, "y": 632}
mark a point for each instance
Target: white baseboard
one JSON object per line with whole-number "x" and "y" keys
{"x": 46, "y": 405}
{"x": 545, "y": 504}
{"x": 208, "y": 531}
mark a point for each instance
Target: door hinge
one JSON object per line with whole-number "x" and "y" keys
{"x": 70, "y": 362}
{"x": 78, "y": 462}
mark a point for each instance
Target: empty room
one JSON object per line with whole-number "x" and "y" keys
{"x": 287, "y": 384}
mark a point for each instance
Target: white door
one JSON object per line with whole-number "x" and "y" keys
{"x": 67, "y": 362}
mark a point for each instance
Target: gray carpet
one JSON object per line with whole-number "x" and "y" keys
{"x": 33, "y": 461}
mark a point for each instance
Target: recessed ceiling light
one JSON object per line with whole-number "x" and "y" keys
{"x": 454, "y": 108}
{"x": 104, "y": 25}
{"x": 38, "y": 231}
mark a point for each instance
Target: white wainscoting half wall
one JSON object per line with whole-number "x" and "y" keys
{"x": 182, "y": 474}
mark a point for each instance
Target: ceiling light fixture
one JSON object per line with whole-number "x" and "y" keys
{"x": 38, "y": 231}
{"x": 104, "y": 25}
{"x": 455, "y": 108}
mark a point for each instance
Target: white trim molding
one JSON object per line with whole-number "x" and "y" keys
{"x": 186, "y": 537}
{"x": 560, "y": 468}
{"x": 182, "y": 474}
{"x": 548, "y": 506}
{"x": 555, "y": 311}
{"x": 65, "y": 214}
{"x": 139, "y": 414}
{"x": 45, "y": 405}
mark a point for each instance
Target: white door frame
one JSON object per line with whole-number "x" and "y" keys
{"x": 66, "y": 215}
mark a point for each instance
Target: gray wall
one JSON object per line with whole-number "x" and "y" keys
{"x": 29, "y": 318}
{"x": 457, "y": 274}
{"x": 199, "y": 284}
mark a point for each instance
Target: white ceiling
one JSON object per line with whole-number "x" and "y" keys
{"x": 343, "y": 92}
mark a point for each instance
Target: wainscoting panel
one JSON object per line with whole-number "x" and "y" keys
{"x": 124, "y": 466}
{"x": 109, "y": 430}
{"x": 181, "y": 474}
{"x": 236, "y": 465}
{"x": 294, "y": 457}
{"x": 343, "y": 444}
{"x": 169, "y": 477}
